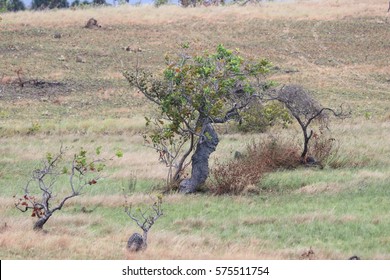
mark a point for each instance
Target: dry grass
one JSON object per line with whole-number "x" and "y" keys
{"x": 117, "y": 200}
{"x": 239, "y": 175}
{"x": 321, "y": 187}
{"x": 204, "y": 247}
{"x": 98, "y": 235}
{"x": 321, "y": 217}
{"x": 61, "y": 245}
{"x": 302, "y": 10}
{"x": 336, "y": 48}
{"x": 75, "y": 242}
{"x": 315, "y": 51}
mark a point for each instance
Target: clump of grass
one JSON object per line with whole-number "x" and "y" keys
{"x": 240, "y": 174}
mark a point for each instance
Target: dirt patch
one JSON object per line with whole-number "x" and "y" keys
{"x": 253, "y": 221}
{"x": 34, "y": 89}
{"x": 367, "y": 174}
{"x": 321, "y": 187}
{"x": 322, "y": 217}
{"x": 193, "y": 223}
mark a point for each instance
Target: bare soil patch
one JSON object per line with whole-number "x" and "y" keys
{"x": 34, "y": 89}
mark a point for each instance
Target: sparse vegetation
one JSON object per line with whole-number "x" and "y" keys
{"x": 49, "y": 4}
{"x": 242, "y": 174}
{"x": 44, "y": 179}
{"x": 334, "y": 48}
{"x": 11, "y": 6}
{"x": 144, "y": 219}
{"x": 259, "y": 117}
{"x": 196, "y": 93}
{"x": 306, "y": 110}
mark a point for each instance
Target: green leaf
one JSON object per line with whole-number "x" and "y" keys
{"x": 100, "y": 167}
{"x": 49, "y": 157}
{"x": 119, "y": 153}
{"x": 98, "y": 150}
{"x": 185, "y": 45}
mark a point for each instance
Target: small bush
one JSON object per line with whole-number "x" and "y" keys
{"x": 258, "y": 117}
{"x": 322, "y": 147}
{"x": 34, "y": 128}
{"x": 326, "y": 151}
{"x": 159, "y": 3}
{"x": 237, "y": 176}
{"x": 186, "y": 3}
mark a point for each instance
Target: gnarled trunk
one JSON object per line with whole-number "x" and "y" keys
{"x": 136, "y": 243}
{"x": 200, "y": 161}
{"x": 306, "y": 139}
{"x": 41, "y": 222}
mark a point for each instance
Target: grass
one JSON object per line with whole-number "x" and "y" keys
{"x": 335, "y": 48}
{"x": 334, "y": 225}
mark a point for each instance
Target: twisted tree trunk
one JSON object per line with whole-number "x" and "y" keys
{"x": 136, "y": 243}
{"x": 41, "y": 222}
{"x": 200, "y": 161}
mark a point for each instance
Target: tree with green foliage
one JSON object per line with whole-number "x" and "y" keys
{"x": 193, "y": 94}
{"x": 12, "y": 5}
{"x": 260, "y": 116}
{"x": 99, "y": 2}
{"x": 3, "y": 5}
{"x": 49, "y": 4}
{"x": 79, "y": 3}
{"x": 159, "y": 3}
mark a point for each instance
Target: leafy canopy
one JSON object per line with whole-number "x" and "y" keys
{"x": 195, "y": 90}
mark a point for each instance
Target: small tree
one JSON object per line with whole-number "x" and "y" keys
{"x": 144, "y": 219}
{"x": 3, "y": 6}
{"x": 12, "y": 5}
{"x": 49, "y": 4}
{"x": 76, "y": 3}
{"x": 194, "y": 93}
{"x": 99, "y": 2}
{"x": 258, "y": 117}
{"x": 158, "y": 3}
{"x": 41, "y": 196}
{"x": 305, "y": 109}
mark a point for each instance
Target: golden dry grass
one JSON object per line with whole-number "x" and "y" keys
{"x": 19, "y": 241}
{"x": 336, "y": 47}
{"x": 117, "y": 200}
{"x": 320, "y": 187}
{"x": 299, "y": 10}
{"x": 203, "y": 247}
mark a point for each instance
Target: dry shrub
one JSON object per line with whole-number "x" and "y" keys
{"x": 259, "y": 158}
{"x": 326, "y": 151}
{"x": 323, "y": 146}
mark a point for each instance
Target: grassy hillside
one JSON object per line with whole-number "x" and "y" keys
{"x": 77, "y": 96}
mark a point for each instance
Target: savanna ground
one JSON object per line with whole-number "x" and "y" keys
{"x": 339, "y": 49}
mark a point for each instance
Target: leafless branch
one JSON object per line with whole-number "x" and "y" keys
{"x": 45, "y": 179}
{"x": 305, "y": 109}
{"x": 145, "y": 219}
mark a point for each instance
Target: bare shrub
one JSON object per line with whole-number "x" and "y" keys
{"x": 306, "y": 110}
{"x": 144, "y": 219}
{"x": 41, "y": 195}
{"x": 323, "y": 146}
{"x": 236, "y": 176}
